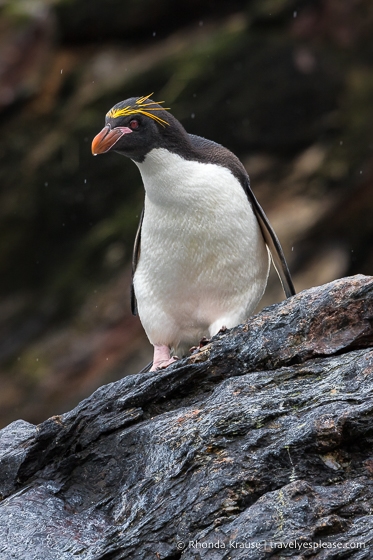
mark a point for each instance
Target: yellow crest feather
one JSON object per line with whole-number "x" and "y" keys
{"x": 140, "y": 107}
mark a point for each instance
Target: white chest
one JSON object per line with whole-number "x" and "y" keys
{"x": 202, "y": 198}
{"x": 202, "y": 252}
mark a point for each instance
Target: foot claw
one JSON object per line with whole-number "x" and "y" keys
{"x": 162, "y": 357}
{"x": 163, "y": 364}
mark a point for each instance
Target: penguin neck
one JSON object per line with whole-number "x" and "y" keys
{"x": 178, "y": 186}
{"x": 164, "y": 177}
{"x": 155, "y": 161}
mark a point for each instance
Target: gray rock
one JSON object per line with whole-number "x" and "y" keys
{"x": 258, "y": 445}
{"x": 14, "y": 440}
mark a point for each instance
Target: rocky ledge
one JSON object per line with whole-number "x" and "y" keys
{"x": 259, "y": 445}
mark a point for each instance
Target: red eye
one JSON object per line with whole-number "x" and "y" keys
{"x": 134, "y": 124}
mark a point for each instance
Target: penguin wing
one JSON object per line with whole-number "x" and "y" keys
{"x": 211, "y": 152}
{"x": 271, "y": 239}
{"x": 135, "y": 260}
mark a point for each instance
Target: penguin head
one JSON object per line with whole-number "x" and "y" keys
{"x": 136, "y": 126}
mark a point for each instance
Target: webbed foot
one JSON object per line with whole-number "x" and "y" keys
{"x": 162, "y": 357}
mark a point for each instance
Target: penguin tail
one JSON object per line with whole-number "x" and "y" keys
{"x": 146, "y": 368}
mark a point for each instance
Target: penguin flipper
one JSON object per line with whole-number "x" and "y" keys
{"x": 271, "y": 239}
{"x": 135, "y": 260}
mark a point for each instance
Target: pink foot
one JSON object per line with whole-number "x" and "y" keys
{"x": 162, "y": 357}
{"x": 163, "y": 365}
{"x": 203, "y": 342}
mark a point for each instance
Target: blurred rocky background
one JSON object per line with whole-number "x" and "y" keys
{"x": 285, "y": 84}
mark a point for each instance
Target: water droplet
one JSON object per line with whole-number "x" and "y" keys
{"x": 295, "y": 14}
{"x": 192, "y": 115}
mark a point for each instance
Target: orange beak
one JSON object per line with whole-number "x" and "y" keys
{"x": 105, "y": 140}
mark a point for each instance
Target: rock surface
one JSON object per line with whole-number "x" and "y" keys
{"x": 260, "y": 440}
